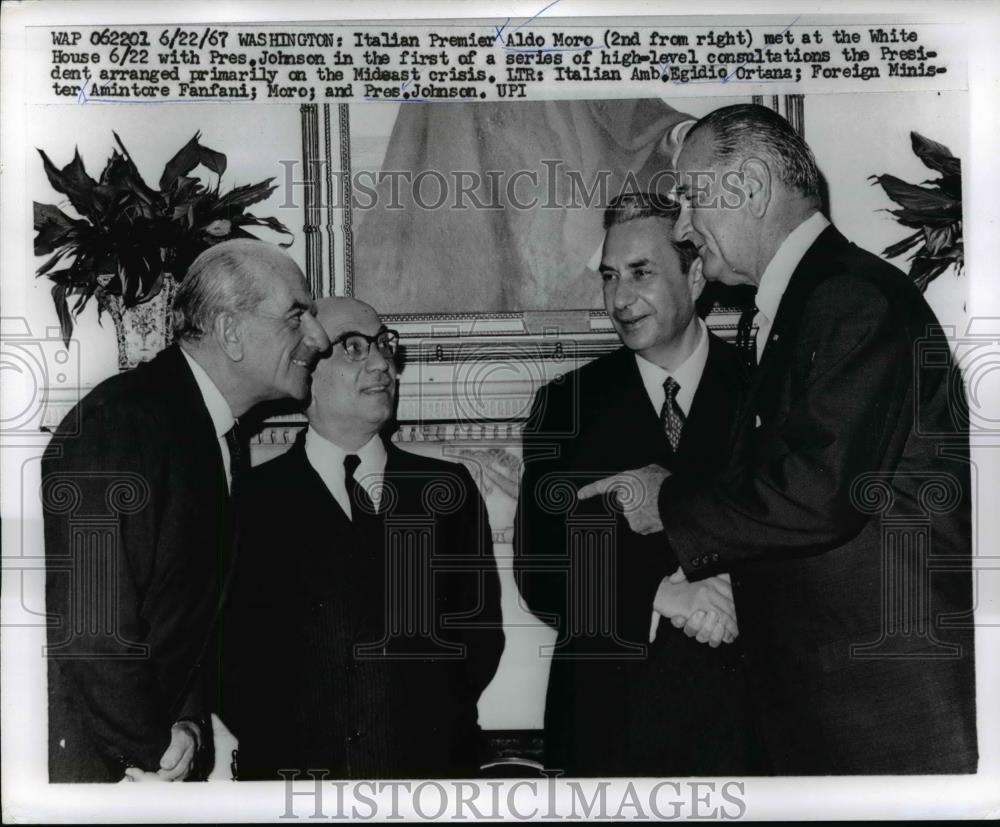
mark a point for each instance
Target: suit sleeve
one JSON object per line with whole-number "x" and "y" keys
{"x": 539, "y": 531}
{"x": 100, "y": 528}
{"x": 790, "y": 496}
{"x": 549, "y": 512}
{"x": 474, "y": 600}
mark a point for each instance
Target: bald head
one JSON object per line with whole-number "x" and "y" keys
{"x": 339, "y": 314}
{"x": 354, "y": 388}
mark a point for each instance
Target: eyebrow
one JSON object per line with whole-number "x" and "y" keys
{"x": 639, "y": 262}
{"x": 298, "y": 306}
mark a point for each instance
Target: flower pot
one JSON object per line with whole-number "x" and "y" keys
{"x": 143, "y": 330}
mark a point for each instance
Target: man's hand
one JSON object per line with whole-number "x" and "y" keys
{"x": 705, "y": 609}
{"x": 637, "y": 493}
{"x": 178, "y": 761}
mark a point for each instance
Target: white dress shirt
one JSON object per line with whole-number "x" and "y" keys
{"x": 328, "y": 460}
{"x": 687, "y": 375}
{"x": 218, "y": 410}
{"x": 779, "y": 271}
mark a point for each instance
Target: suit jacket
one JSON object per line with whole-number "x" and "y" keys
{"x": 362, "y": 647}
{"x": 853, "y": 485}
{"x": 610, "y": 693}
{"x": 137, "y": 541}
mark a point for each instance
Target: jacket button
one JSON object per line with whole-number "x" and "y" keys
{"x": 715, "y": 558}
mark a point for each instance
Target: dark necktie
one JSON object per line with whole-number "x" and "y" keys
{"x": 671, "y": 415}
{"x": 361, "y": 504}
{"x": 237, "y": 458}
{"x": 746, "y": 337}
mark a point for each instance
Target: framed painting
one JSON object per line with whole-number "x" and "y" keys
{"x": 475, "y": 229}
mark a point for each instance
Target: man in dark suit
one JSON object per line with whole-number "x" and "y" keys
{"x": 669, "y": 396}
{"x": 844, "y": 518}
{"x": 138, "y": 522}
{"x": 366, "y": 620}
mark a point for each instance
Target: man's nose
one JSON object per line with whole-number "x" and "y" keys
{"x": 315, "y": 336}
{"x": 682, "y": 227}
{"x": 376, "y": 360}
{"x": 624, "y": 294}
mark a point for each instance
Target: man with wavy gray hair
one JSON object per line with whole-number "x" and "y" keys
{"x": 138, "y": 485}
{"x": 844, "y": 515}
{"x": 668, "y": 396}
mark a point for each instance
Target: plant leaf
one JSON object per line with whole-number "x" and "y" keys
{"x": 244, "y": 196}
{"x": 59, "y": 292}
{"x": 248, "y": 219}
{"x": 924, "y": 270}
{"x": 939, "y": 240}
{"x": 122, "y": 174}
{"x": 139, "y": 269}
{"x": 914, "y": 197}
{"x": 935, "y": 156}
{"x": 189, "y": 156}
{"x": 72, "y": 181}
{"x": 902, "y": 246}
{"x": 220, "y": 228}
{"x": 920, "y": 219}
{"x": 54, "y": 228}
{"x": 52, "y": 262}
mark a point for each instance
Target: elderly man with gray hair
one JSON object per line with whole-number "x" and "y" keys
{"x": 137, "y": 488}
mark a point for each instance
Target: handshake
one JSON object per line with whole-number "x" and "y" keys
{"x": 704, "y": 609}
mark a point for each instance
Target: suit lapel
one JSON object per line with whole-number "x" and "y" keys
{"x": 712, "y": 408}
{"x": 333, "y": 552}
{"x": 640, "y": 419}
{"x": 817, "y": 261}
{"x": 189, "y": 414}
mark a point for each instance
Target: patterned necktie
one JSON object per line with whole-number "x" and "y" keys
{"x": 671, "y": 415}
{"x": 361, "y": 504}
{"x": 746, "y": 337}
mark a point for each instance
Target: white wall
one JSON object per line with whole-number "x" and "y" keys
{"x": 854, "y": 136}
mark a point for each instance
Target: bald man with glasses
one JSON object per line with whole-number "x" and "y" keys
{"x": 365, "y": 621}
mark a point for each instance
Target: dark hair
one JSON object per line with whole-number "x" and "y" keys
{"x": 749, "y": 130}
{"x": 631, "y": 206}
{"x": 222, "y": 279}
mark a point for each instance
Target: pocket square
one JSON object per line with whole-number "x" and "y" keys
{"x": 757, "y": 421}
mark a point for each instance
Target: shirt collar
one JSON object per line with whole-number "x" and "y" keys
{"x": 328, "y": 456}
{"x": 687, "y": 374}
{"x": 779, "y": 270}
{"x": 218, "y": 408}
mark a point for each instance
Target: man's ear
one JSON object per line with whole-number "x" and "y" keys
{"x": 696, "y": 279}
{"x": 757, "y": 181}
{"x": 228, "y": 333}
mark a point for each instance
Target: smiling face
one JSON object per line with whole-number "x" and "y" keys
{"x": 352, "y": 400}
{"x": 713, "y": 214}
{"x": 282, "y": 340}
{"x": 648, "y": 296}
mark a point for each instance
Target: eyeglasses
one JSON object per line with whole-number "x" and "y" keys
{"x": 357, "y": 346}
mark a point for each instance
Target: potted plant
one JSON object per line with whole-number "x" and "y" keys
{"x": 132, "y": 243}
{"x": 933, "y": 208}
